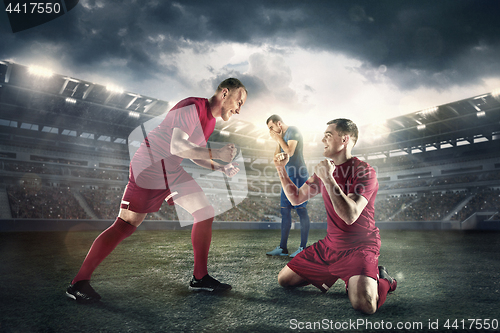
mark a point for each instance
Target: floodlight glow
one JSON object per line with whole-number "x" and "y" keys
{"x": 114, "y": 89}
{"x": 134, "y": 114}
{"x": 40, "y": 71}
{"x": 496, "y": 93}
{"x": 224, "y": 133}
{"x": 261, "y": 141}
{"x": 70, "y": 100}
{"x": 421, "y": 127}
{"x": 429, "y": 110}
{"x": 481, "y": 114}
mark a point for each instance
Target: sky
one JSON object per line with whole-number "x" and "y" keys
{"x": 308, "y": 61}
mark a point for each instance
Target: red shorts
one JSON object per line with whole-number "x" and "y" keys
{"x": 141, "y": 200}
{"x": 321, "y": 265}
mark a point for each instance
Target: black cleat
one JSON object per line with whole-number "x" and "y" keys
{"x": 82, "y": 292}
{"x": 383, "y": 274}
{"x": 208, "y": 283}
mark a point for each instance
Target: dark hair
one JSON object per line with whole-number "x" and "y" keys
{"x": 274, "y": 118}
{"x": 346, "y": 126}
{"x": 231, "y": 84}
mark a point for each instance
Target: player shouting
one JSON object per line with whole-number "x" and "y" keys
{"x": 156, "y": 175}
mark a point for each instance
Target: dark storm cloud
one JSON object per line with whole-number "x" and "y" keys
{"x": 427, "y": 43}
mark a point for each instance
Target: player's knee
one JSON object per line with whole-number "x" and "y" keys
{"x": 205, "y": 213}
{"x": 364, "y": 304}
{"x": 284, "y": 280}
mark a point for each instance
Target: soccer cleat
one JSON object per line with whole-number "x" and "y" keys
{"x": 383, "y": 274}
{"x": 278, "y": 251}
{"x": 82, "y": 292}
{"x": 208, "y": 283}
{"x": 300, "y": 249}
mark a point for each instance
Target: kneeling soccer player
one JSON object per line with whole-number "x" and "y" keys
{"x": 351, "y": 247}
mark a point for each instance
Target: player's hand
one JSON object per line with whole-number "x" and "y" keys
{"x": 325, "y": 169}
{"x": 281, "y": 159}
{"x": 230, "y": 169}
{"x": 227, "y": 153}
{"x": 274, "y": 135}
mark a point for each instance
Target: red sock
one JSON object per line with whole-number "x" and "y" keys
{"x": 102, "y": 247}
{"x": 383, "y": 290}
{"x": 201, "y": 236}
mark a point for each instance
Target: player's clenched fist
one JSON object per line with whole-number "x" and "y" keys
{"x": 230, "y": 169}
{"x": 281, "y": 159}
{"x": 324, "y": 169}
{"x": 227, "y": 153}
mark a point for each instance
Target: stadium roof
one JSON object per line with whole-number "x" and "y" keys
{"x": 35, "y": 99}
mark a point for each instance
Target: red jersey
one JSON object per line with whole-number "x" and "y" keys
{"x": 153, "y": 160}
{"x": 353, "y": 176}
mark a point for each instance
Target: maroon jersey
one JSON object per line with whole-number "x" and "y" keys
{"x": 353, "y": 176}
{"x": 153, "y": 162}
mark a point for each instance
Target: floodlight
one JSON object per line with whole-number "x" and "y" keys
{"x": 40, "y": 71}
{"x": 134, "y": 114}
{"x": 421, "y": 127}
{"x": 114, "y": 89}
{"x": 70, "y": 100}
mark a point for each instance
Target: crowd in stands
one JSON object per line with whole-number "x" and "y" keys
{"x": 429, "y": 207}
{"x": 484, "y": 201}
{"x": 35, "y": 168}
{"x": 386, "y": 208}
{"x": 40, "y": 202}
{"x": 99, "y": 174}
{"x": 35, "y": 201}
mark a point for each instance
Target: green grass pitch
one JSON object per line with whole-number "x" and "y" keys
{"x": 442, "y": 275}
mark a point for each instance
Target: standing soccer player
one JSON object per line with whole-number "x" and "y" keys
{"x": 351, "y": 247}
{"x": 290, "y": 141}
{"x": 156, "y": 175}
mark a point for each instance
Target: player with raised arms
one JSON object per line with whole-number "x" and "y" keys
{"x": 156, "y": 175}
{"x": 351, "y": 248}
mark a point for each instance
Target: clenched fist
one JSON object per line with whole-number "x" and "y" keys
{"x": 230, "y": 169}
{"x": 324, "y": 169}
{"x": 281, "y": 159}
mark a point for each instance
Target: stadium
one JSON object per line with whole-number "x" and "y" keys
{"x": 65, "y": 150}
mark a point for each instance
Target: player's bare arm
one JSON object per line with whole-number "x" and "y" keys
{"x": 230, "y": 169}
{"x": 295, "y": 195}
{"x": 182, "y": 147}
{"x": 347, "y": 206}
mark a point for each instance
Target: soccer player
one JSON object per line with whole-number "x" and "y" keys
{"x": 156, "y": 175}
{"x": 290, "y": 141}
{"x": 351, "y": 247}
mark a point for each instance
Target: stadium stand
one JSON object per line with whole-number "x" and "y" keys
{"x": 60, "y": 158}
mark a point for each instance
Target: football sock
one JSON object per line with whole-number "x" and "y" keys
{"x": 102, "y": 247}
{"x": 286, "y": 224}
{"x": 383, "y": 290}
{"x": 304, "y": 225}
{"x": 201, "y": 237}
